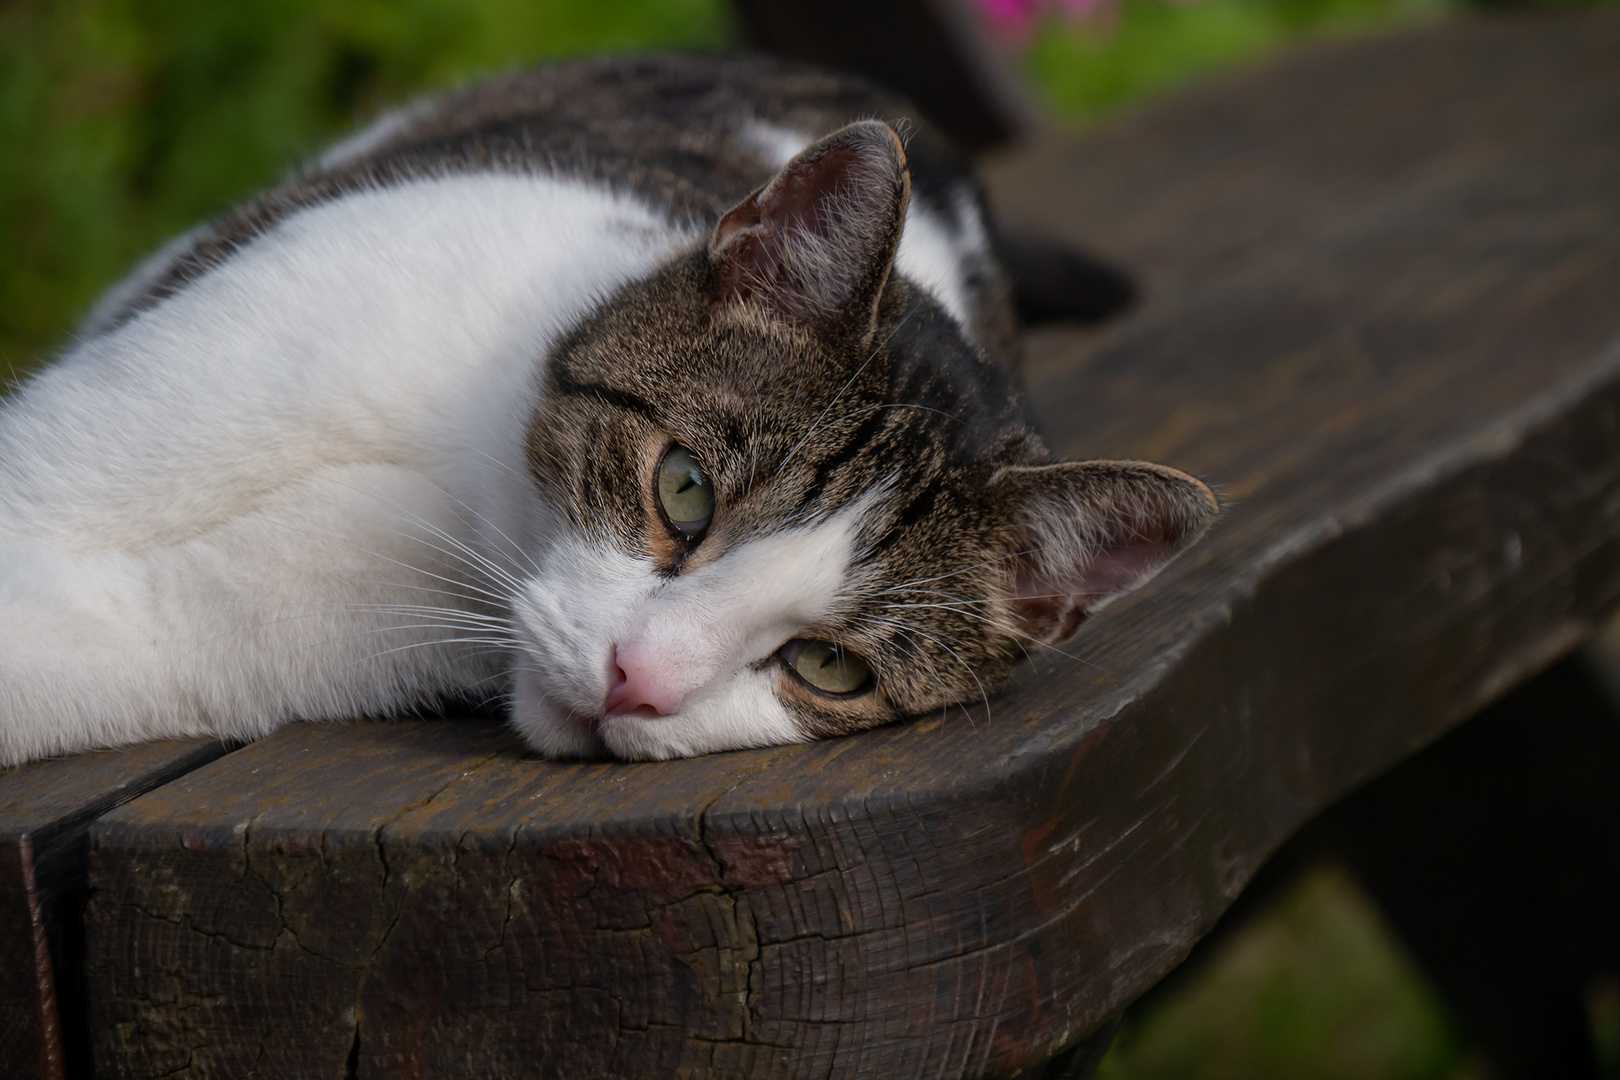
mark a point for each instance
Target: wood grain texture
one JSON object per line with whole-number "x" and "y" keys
{"x": 45, "y": 809}
{"x": 1380, "y": 314}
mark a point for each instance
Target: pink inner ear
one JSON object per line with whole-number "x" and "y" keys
{"x": 753, "y": 253}
{"x": 808, "y": 198}
{"x": 1053, "y": 610}
{"x": 803, "y": 199}
{"x": 745, "y": 216}
{"x": 1119, "y": 567}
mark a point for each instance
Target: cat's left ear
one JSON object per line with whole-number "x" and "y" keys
{"x": 818, "y": 241}
{"x": 1084, "y": 532}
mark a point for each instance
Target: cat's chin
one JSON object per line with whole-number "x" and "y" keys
{"x": 560, "y": 737}
{"x": 547, "y": 727}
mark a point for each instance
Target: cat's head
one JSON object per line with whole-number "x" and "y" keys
{"x": 799, "y": 501}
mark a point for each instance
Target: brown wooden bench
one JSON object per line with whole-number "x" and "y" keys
{"x": 1381, "y": 313}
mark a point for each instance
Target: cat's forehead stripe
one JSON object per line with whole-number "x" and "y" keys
{"x": 836, "y": 456}
{"x": 564, "y": 385}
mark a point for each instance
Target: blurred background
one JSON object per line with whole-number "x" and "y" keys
{"x": 124, "y": 122}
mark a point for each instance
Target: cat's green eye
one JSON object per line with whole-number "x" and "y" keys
{"x": 830, "y": 668}
{"x": 685, "y": 492}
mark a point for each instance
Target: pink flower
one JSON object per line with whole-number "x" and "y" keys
{"x": 1013, "y": 21}
{"x": 1008, "y": 18}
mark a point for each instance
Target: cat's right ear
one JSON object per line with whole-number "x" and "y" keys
{"x": 1084, "y": 532}
{"x": 818, "y": 241}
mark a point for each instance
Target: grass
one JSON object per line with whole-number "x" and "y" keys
{"x": 1143, "y": 48}
{"x": 124, "y": 122}
{"x": 1314, "y": 988}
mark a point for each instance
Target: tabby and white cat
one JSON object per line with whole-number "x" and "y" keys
{"x": 668, "y": 398}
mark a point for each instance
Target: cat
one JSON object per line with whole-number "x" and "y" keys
{"x": 668, "y": 400}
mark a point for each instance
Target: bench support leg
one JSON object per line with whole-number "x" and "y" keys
{"x": 1495, "y": 854}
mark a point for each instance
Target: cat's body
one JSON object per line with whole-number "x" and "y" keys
{"x": 423, "y": 422}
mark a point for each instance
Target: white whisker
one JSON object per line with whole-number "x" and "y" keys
{"x": 499, "y": 599}
{"x": 459, "y": 550}
{"x": 426, "y": 644}
{"x": 907, "y": 585}
{"x": 919, "y": 632}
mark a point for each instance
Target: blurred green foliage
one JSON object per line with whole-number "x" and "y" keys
{"x": 124, "y": 122}
{"x": 1315, "y": 988}
{"x": 1137, "y": 48}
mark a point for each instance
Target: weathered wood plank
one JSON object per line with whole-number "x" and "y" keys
{"x": 1380, "y": 315}
{"x": 258, "y": 897}
{"x": 45, "y": 809}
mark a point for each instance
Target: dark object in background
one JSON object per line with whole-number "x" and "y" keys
{"x": 931, "y": 51}
{"x": 1495, "y": 854}
{"x": 1053, "y": 282}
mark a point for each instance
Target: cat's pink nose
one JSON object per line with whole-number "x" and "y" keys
{"x": 637, "y": 689}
